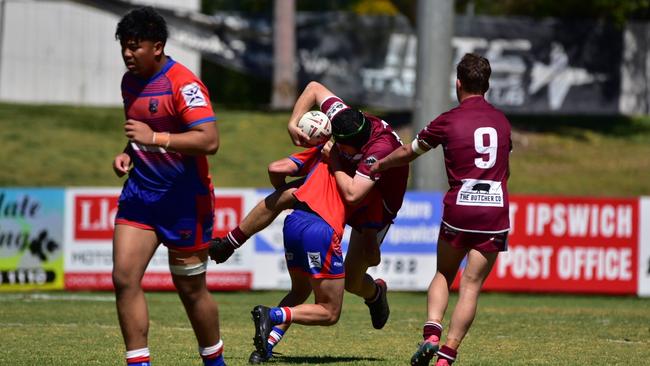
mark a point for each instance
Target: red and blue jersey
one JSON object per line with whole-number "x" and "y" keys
{"x": 174, "y": 100}
{"x": 321, "y": 193}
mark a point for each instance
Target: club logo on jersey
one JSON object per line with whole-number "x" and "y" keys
{"x": 185, "y": 234}
{"x": 193, "y": 95}
{"x": 153, "y": 105}
{"x": 370, "y": 160}
{"x": 314, "y": 259}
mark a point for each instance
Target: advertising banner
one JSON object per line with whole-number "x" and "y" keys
{"x": 408, "y": 250}
{"x": 88, "y": 236}
{"x": 31, "y": 239}
{"x": 644, "y": 248}
{"x": 269, "y": 265}
{"x": 575, "y": 245}
{"x": 557, "y": 244}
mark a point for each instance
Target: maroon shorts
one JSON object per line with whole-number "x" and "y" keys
{"x": 371, "y": 213}
{"x": 483, "y": 242}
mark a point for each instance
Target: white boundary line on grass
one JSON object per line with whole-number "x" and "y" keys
{"x": 79, "y": 325}
{"x": 62, "y": 297}
{"x": 623, "y": 341}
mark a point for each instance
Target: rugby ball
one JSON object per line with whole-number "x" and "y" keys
{"x": 317, "y": 126}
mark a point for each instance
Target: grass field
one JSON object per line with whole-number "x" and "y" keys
{"x": 81, "y": 329}
{"x": 70, "y": 146}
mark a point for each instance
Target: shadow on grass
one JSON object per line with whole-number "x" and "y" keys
{"x": 321, "y": 359}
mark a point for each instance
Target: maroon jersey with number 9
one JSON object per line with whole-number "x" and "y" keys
{"x": 476, "y": 140}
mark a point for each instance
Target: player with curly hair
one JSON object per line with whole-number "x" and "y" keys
{"x": 168, "y": 197}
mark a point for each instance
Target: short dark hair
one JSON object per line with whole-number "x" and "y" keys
{"x": 474, "y": 71}
{"x": 142, "y": 24}
{"x": 351, "y": 127}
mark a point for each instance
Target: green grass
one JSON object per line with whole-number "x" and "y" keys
{"x": 509, "y": 330}
{"x": 595, "y": 156}
{"x": 73, "y": 146}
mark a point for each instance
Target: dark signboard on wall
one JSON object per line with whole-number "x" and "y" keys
{"x": 538, "y": 66}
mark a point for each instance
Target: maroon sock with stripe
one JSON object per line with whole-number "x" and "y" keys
{"x": 448, "y": 354}
{"x": 432, "y": 331}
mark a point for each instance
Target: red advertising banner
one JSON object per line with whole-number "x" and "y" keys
{"x": 94, "y": 216}
{"x": 578, "y": 245}
{"x": 88, "y": 247}
{"x": 227, "y": 214}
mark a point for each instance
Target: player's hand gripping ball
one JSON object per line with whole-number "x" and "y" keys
{"x": 316, "y": 126}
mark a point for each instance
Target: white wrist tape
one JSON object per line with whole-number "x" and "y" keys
{"x": 415, "y": 146}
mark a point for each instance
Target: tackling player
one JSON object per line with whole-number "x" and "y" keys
{"x": 312, "y": 241}
{"x": 475, "y": 223}
{"x": 361, "y": 139}
{"x": 168, "y": 196}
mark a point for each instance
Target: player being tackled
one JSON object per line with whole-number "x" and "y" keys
{"x": 361, "y": 139}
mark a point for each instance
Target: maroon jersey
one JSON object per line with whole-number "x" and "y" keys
{"x": 391, "y": 183}
{"x": 476, "y": 141}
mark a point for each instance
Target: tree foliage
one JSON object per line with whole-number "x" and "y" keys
{"x": 613, "y": 10}
{"x": 618, "y": 11}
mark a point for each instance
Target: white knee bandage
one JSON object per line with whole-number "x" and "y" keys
{"x": 188, "y": 269}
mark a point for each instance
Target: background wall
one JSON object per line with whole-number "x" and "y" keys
{"x": 62, "y": 52}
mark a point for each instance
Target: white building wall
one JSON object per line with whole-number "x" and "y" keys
{"x": 61, "y": 52}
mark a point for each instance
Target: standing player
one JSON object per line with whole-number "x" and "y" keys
{"x": 476, "y": 141}
{"x": 168, "y": 196}
{"x": 361, "y": 139}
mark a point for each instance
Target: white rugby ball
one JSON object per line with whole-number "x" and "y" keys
{"x": 317, "y": 126}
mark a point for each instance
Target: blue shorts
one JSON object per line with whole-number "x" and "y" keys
{"x": 181, "y": 218}
{"x": 311, "y": 246}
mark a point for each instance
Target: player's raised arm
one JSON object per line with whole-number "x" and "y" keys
{"x": 313, "y": 94}
{"x": 400, "y": 156}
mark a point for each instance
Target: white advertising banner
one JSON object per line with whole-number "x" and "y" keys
{"x": 408, "y": 250}
{"x": 88, "y": 232}
{"x": 644, "y": 248}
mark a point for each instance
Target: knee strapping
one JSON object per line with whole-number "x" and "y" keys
{"x": 188, "y": 269}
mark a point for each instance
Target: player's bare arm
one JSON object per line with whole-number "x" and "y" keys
{"x": 353, "y": 189}
{"x": 279, "y": 170}
{"x": 400, "y": 156}
{"x": 202, "y": 139}
{"x": 314, "y": 94}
